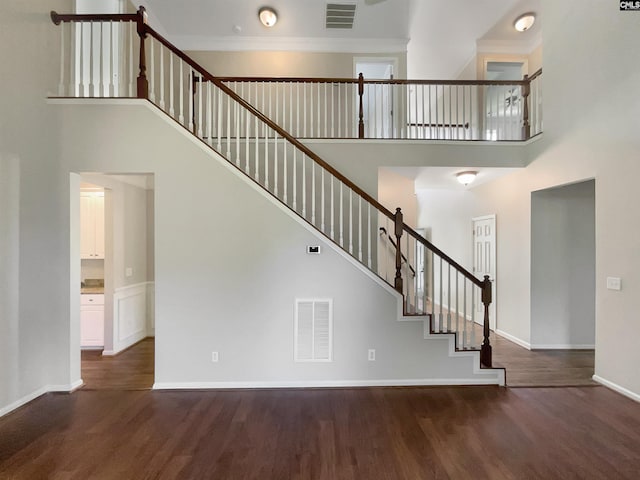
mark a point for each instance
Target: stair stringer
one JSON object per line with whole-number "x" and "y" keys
{"x": 476, "y": 375}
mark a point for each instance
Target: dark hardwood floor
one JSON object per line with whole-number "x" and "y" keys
{"x": 132, "y": 369}
{"x": 543, "y": 368}
{"x": 368, "y": 433}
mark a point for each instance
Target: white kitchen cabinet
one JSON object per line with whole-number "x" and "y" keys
{"x": 92, "y": 320}
{"x": 91, "y": 225}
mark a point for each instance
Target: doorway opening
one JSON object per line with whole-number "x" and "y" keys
{"x": 378, "y": 98}
{"x": 115, "y": 226}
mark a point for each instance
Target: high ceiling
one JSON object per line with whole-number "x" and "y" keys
{"x": 379, "y": 25}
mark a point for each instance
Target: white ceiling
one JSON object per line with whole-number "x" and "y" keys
{"x": 382, "y": 27}
{"x": 427, "y": 178}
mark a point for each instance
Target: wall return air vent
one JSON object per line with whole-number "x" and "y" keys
{"x": 340, "y": 15}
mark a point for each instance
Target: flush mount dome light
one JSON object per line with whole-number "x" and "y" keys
{"x": 524, "y": 22}
{"x": 268, "y": 16}
{"x": 465, "y": 178}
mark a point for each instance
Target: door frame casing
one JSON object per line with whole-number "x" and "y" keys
{"x": 493, "y": 311}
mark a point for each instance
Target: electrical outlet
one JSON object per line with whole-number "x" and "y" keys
{"x": 214, "y": 357}
{"x": 372, "y": 355}
{"x": 614, "y": 283}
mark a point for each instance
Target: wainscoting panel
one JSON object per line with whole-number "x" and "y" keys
{"x": 129, "y": 315}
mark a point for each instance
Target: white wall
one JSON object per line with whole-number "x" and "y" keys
{"x": 563, "y": 256}
{"x": 230, "y": 264}
{"x": 590, "y": 132}
{"x": 27, "y": 72}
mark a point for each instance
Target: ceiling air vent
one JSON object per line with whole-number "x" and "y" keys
{"x": 340, "y": 15}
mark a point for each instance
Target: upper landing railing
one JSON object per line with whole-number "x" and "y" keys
{"x": 117, "y": 56}
{"x": 398, "y": 109}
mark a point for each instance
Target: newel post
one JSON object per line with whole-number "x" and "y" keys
{"x": 398, "y": 233}
{"x": 526, "y": 90}
{"x": 142, "y": 82}
{"x": 485, "y": 349}
{"x": 361, "y": 113}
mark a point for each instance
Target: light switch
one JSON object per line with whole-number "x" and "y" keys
{"x": 614, "y": 283}
{"x": 128, "y": 272}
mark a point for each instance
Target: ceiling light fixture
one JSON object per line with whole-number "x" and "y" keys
{"x": 524, "y": 22}
{"x": 465, "y": 178}
{"x": 268, "y": 16}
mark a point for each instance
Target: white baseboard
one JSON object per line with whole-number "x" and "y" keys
{"x": 614, "y": 386}
{"x": 39, "y": 392}
{"x": 562, "y": 346}
{"x": 513, "y": 339}
{"x": 324, "y": 383}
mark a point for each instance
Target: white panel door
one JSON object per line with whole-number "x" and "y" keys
{"x": 484, "y": 261}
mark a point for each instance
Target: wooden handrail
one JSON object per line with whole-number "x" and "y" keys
{"x": 444, "y": 256}
{"x": 101, "y": 17}
{"x": 400, "y": 226}
{"x": 354, "y": 81}
{"x": 257, "y": 113}
{"x": 535, "y": 75}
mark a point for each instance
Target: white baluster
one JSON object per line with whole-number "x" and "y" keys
{"x": 295, "y": 184}
{"x": 449, "y": 298}
{"x": 275, "y": 163}
{"x": 285, "y": 179}
{"x": 191, "y": 99}
{"x": 457, "y": 303}
{"x": 304, "y": 109}
{"x": 359, "y": 228}
{"x": 181, "y": 93}
{"x": 472, "y": 340}
{"x": 333, "y": 121}
{"x": 132, "y": 92}
{"x": 266, "y": 159}
{"x": 257, "y": 148}
{"x": 339, "y": 86}
{"x": 247, "y": 134}
{"x": 350, "y": 221}
{"x": 111, "y": 89}
{"x": 333, "y": 233}
{"x": 209, "y": 126}
{"x": 464, "y": 318}
{"x": 200, "y": 95}
{"x": 237, "y": 133}
{"x": 92, "y": 91}
{"x": 219, "y": 122}
{"x": 171, "y": 106}
{"x": 62, "y": 48}
{"x": 73, "y": 35}
{"x": 325, "y": 108}
{"x": 304, "y": 187}
{"x": 318, "y": 119}
{"x": 161, "y": 54}
{"x": 100, "y": 64}
{"x": 297, "y": 109}
{"x": 313, "y": 193}
{"x": 322, "y": 199}
{"x": 369, "y": 234}
{"x": 341, "y": 217}
{"x": 228, "y": 125}
{"x": 152, "y": 71}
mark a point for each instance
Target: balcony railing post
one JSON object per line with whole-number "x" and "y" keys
{"x": 485, "y": 349}
{"x": 142, "y": 82}
{"x": 526, "y": 89}
{"x": 398, "y": 233}
{"x": 361, "y": 112}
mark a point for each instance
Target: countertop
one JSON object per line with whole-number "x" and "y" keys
{"x": 91, "y": 290}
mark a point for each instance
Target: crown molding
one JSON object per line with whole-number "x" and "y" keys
{"x": 290, "y": 44}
